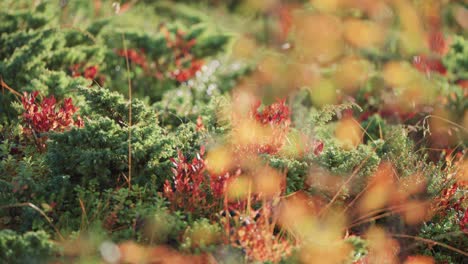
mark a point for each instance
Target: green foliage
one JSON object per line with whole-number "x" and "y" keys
{"x": 179, "y": 12}
{"x": 22, "y": 20}
{"x": 102, "y": 102}
{"x": 361, "y": 161}
{"x": 201, "y": 96}
{"x": 360, "y": 248}
{"x": 35, "y": 56}
{"x": 80, "y": 178}
{"x": 445, "y": 229}
{"x": 155, "y": 48}
{"x": 456, "y": 60}
{"x": 201, "y": 236}
{"x": 374, "y": 127}
{"x": 398, "y": 148}
{"x": 99, "y": 151}
{"x": 23, "y": 178}
{"x": 94, "y": 153}
{"x": 162, "y": 227}
{"x": 394, "y": 145}
{"x": 126, "y": 214}
{"x": 297, "y": 171}
{"x": 31, "y": 247}
{"x": 307, "y": 118}
{"x": 40, "y": 55}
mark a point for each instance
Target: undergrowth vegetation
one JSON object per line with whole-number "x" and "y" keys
{"x": 233, "y": 131}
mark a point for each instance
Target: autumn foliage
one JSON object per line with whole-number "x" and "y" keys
{"x": 47, "y": 115}
{"x": 244, "y": 131}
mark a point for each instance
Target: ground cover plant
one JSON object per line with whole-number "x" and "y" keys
{"x": 240, "y": 131}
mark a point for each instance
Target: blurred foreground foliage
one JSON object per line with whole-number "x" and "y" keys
{"x": 233, "y": 131}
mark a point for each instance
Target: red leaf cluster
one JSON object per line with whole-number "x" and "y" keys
{"x": 437, "y": 42}
{"x": 218, "y": 184}
{"x": 47, "y": 116}
{"x": 270, "y": 126}
{"x": 184, "y": 74}
{"x": 463, "y": 83}
{"x": 254, "y": 234}
{"x": 448, "y": 201}
{"x": 318, "y": 147}
{"x": 136, "y": 57}
{"x": 437, "y": 45}
{"x": 197, "y": 190}
{"x": 277, "y": 117}
{"x": 79, "y": 70}
{"x": 464, "y": 222}
{"x": 277, "y": 113}
{"x": 186, "y": 64}
{"x": 188, "y": 180}
{"x": 193, "y": 188}
{"x": 183, "y": 67}
{"x": 179, "y": 44}
{"x": 427, "y": 65}
{"x": 447, "y": 197}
